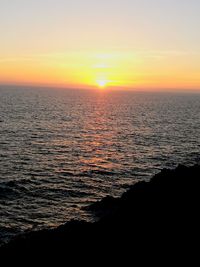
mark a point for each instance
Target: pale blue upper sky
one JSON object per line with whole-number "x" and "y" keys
{"x": 156, "y": 41}
{"x": 152, "y": 24}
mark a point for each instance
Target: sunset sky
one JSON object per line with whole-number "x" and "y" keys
{"x": 148, "y": 44}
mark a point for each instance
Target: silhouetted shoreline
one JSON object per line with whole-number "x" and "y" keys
{"x": 164, "y": 209}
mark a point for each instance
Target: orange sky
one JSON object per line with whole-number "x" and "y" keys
{"x": 118, "y": 44}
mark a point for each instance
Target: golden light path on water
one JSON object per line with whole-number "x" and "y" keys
{"x": 63, "y": 149}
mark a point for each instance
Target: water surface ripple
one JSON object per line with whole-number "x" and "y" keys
{"x": 62, "y": 149}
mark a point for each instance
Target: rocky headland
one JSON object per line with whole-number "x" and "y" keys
{"x": 149, "y": 215}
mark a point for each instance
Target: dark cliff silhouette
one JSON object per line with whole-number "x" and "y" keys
{"x": 147, "y": 217}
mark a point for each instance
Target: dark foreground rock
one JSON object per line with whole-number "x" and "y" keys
{"x": 148, "y": 216}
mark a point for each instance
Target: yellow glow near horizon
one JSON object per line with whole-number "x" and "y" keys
{"x": 102, "y": 69}
{"x": 89, "y": 44}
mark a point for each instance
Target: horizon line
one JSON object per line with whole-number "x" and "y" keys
{"x": 109, "y": 88}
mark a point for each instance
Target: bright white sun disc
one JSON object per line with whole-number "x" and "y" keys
{"x": 102, "y": 83}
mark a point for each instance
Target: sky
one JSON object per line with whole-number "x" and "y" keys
{"x": 133, "y": 44}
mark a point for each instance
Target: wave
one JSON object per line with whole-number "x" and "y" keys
{"x": 12, "y": 189}
{"x": 24, "y": 188}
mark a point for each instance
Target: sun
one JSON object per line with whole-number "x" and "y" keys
{"x": 102, "y": 83}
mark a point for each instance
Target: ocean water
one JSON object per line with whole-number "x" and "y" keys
{"x": 63, "y": 149}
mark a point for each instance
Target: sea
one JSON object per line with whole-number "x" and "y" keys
{"x": 62, "y": 149}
